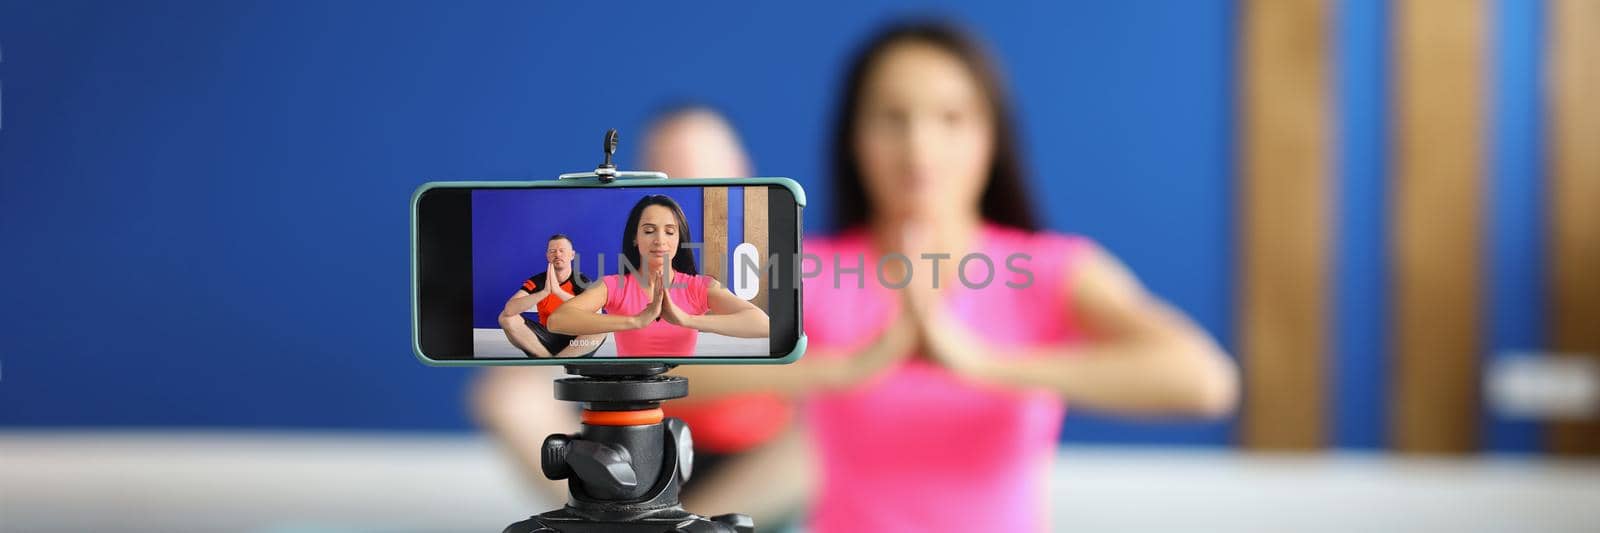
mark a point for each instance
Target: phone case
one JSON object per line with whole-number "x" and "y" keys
{"x": 592, "y": 183}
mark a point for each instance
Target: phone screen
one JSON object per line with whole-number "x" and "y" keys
{"x": 547, "y": 275}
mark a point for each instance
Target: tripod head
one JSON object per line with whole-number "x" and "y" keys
{"x": 620, "y": 405}
{"x": 626, "y": 465}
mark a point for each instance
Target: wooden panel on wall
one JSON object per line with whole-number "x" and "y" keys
{"x": 755, "y": 233}
{"x": 714, "y": 233}
{"x": 1574, "y": 115}
{"x": 1286, "y": 200}
{"x": 1436, "y": 237}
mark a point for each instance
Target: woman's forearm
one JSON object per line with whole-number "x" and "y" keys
{"x": 749, "y": 323}
{"x": 1184, "y": 377}
{"x": 571, "y": 321}
{"x": 819, "y": 369}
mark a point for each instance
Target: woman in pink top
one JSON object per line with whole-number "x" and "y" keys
{"x": 660, "y": 310}
{"x": 935, "y": 394}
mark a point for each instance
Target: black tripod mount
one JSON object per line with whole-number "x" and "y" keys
{"x": 624, "y": 468}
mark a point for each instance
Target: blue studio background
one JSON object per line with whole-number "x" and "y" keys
{"x": 511, "y": 231}
{"x": 203, "y": 205}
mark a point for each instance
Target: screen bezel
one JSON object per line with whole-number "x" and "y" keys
{"x": 447, "y": 208}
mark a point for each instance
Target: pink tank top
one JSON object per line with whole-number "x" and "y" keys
{"x": 624, "y": 296}
{"x": 917, "y": 449}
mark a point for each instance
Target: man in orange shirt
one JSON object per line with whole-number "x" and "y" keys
{"x": 543, "y": 293}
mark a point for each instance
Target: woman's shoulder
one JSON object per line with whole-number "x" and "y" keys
{"x": 1050, "y": 257}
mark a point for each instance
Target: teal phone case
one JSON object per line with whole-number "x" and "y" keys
{"x": 592, "y": 183}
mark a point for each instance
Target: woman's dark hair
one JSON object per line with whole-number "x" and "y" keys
{"x": 683, "y": 259}
{"x": 1005, "y": 197}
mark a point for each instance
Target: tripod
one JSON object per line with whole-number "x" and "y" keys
{"x": 624, "y": 468}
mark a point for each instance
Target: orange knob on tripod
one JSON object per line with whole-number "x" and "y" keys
{"x": 642, "y": 417}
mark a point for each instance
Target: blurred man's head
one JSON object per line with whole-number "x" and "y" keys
{"x": 694, "y": 142}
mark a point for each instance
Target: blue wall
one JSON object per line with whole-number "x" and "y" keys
{"x": 511, "y": 231}
{"x": 1359, "y": 367}
{"x": 203, "y": 205}
{"x": 207, "y": 202}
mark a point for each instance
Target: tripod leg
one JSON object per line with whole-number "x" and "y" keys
{"x": 530, "y": 525}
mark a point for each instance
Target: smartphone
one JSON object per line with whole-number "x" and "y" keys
{"x": 577, "y": 271}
